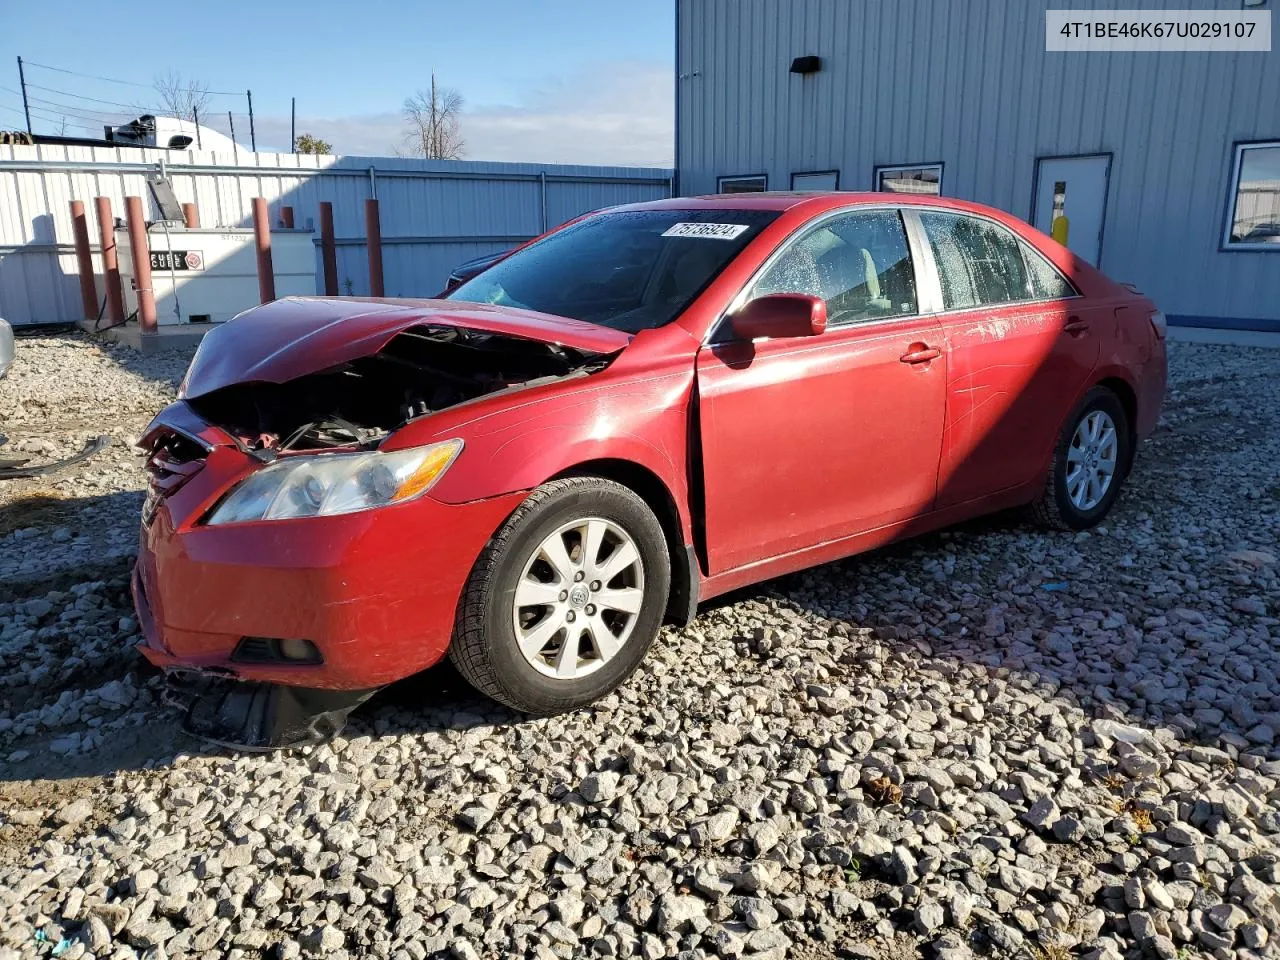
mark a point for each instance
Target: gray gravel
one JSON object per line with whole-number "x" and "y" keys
{"x": 989, "y": 741}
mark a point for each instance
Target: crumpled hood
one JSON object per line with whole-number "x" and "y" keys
{"x": 293, "y": 337}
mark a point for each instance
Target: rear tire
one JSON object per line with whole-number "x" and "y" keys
{"x": 566, "y": 598}
{"x": 1090, "y": 463}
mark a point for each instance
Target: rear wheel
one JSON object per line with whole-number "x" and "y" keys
{"x": 1089, "y": 464}
{"x": 566, "y": 598}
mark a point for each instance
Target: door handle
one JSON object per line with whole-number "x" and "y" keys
{"x": 1076, "y": 327}
{"x": 920, "y": 353}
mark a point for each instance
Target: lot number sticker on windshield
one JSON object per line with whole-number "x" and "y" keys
{"x": 708, "y": 231}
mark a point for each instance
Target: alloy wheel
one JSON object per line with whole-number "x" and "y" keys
{"x": 578, "y": 598}
{"x": 1091, "y": 460}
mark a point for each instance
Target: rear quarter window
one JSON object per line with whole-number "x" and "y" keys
{"x": 1046, "y": 282}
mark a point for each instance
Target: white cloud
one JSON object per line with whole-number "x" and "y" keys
{"x": 619, "y": 114}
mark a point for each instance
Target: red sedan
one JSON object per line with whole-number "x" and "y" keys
{"x": 646, "y": 407}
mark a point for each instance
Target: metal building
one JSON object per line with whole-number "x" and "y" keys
{"x": 1167, "y": 165}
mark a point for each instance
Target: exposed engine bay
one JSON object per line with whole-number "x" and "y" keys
{"x": 421, "y": 370}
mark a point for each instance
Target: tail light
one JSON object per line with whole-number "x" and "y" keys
{"x": 1159, "y": 325}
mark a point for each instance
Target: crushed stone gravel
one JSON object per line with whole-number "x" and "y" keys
{"x": 917, "y": 752}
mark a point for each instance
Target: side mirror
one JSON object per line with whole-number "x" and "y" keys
{"x": 779, "y": 316}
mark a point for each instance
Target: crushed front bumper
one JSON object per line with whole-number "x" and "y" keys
{"x": 374, "y": 593}
{"x": 370, "y": 597}
{"x": 260, "y": 716}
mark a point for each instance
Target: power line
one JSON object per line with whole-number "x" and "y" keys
{"x": 40, "y": 113}
{"x": 43, "y": 113}
{"x": 127, "y": 83}
{"x": 85, "y": 113}
{"x": 51, "y": 120}
{"x": 79, "y": 96}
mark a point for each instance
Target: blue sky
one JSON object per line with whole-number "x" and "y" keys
{"x": 553, "y": 81}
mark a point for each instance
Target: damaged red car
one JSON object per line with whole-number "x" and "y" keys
{"x": 642, "y": 409}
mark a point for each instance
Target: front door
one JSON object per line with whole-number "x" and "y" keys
{"x": 813, "y": 439}
{"x": 1071, "y": 202}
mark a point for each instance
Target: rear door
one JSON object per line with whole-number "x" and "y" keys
{"x": 1021, "y": 343}
{"x": 813, "y": 439}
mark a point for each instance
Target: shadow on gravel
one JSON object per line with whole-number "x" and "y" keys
{"x": 1039, "y": 634}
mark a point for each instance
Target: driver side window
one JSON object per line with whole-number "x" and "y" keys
{"x": 858, "y": 263}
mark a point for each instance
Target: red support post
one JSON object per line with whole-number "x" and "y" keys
{"x": 373, "y": 238}
{"x": 286, "y": 217}
{"x": 191, "y": 216}
{"x": 328, "y": 249}
{"x": 262, "y": 239}
{"x": 110, "y": 260}
{"x": 141, "y": 255}
{"x": 84, "y": 261}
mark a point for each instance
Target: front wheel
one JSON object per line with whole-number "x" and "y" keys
{"x": 565, "y": 599}
{"x": 1089, "y": 464}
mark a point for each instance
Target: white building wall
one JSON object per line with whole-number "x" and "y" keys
{"x": 969, "y": 84}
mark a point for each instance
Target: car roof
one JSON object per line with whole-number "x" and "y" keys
{"x": 782, "y": 200}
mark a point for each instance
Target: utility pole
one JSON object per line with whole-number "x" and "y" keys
{"x": 293, "y": 124}
{"x": 26, "y": 107}
{"x": 435, "y": 119}
{"x": 235, "y": 152}
{"x": 195, "y": 118}
{"x": 253, "y": 141}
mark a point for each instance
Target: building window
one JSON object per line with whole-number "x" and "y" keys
{"x": 920, "y": 178}
{"x": 816, "y": 180}
{"x": 756, "y": 183}
{"x": 1253, "y": 210}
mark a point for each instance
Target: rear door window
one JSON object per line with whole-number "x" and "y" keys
{"x": 979, "y": 263}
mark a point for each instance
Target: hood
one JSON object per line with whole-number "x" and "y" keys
{"x": 290, "y": 338}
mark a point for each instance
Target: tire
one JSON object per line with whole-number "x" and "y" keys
{"x": 486, "y": 648}
{"x": 1055, "y": 507}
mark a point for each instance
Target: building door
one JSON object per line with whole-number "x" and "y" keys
{"x": 1071, "y": 202}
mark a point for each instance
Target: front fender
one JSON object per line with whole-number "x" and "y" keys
{"x": 636, "y": 411}
{"x": 643, "y": 422}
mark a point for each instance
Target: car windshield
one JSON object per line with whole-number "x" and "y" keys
{"x": 630, "y": 270}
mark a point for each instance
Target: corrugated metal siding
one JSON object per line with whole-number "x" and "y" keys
{"x": 434, "y": 214}
{"x": 971, "y": 85}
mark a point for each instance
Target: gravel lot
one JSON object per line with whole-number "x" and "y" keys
{"x": 988, "y": 741}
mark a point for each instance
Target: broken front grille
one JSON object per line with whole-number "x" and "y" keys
{"x": 174, "y": 460}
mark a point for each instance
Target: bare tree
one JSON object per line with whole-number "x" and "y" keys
{"x": 434, "y": 117}
{"x": 182, "y": 97}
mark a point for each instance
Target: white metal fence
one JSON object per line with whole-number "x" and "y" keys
{"x": 434, "y": 214}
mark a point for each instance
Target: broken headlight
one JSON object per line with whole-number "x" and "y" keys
{"x": 321, "y": 485}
